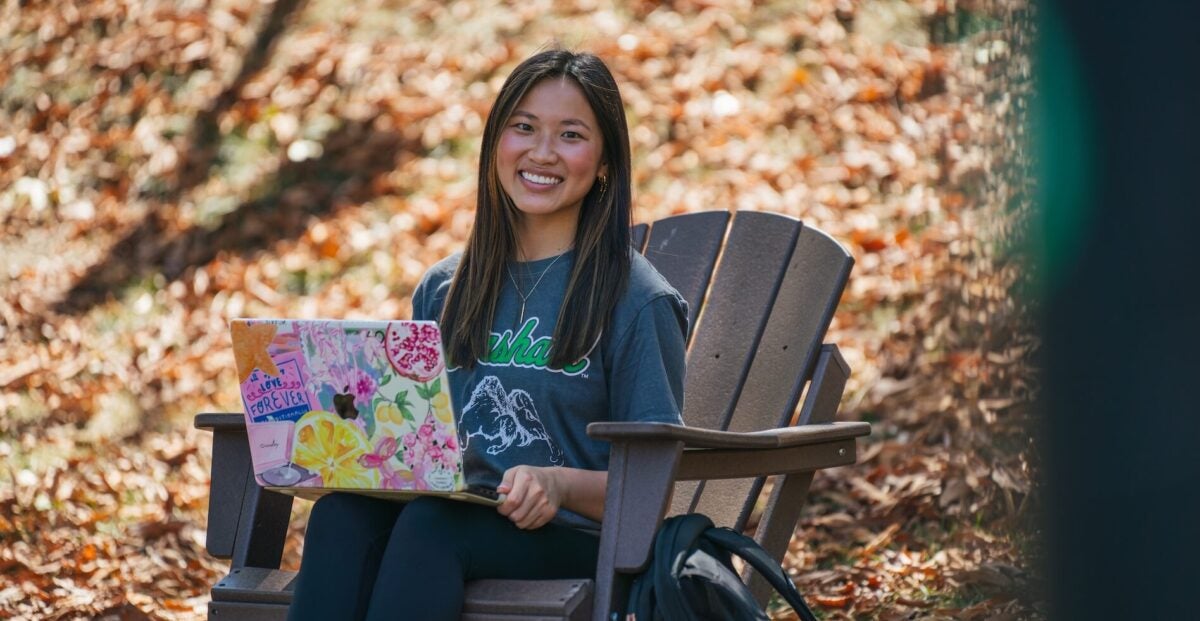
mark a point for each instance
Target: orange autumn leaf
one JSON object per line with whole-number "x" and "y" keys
{"x": 868, "y": 241}
{"x": 869, "y": 94}
{"x": 174, "y": 604}
{"x": 833, "y": 601}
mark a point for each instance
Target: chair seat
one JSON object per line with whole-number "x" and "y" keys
{"x": 251, "y": 592}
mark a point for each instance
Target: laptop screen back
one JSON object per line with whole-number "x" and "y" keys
{"x": 353, "y": 405}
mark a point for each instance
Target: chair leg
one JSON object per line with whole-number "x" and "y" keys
{"x": 641, "y": 478}
{"x": 246, "y": 523}
{"x": 262, "y": 529}
{"x": 777, "y": 524}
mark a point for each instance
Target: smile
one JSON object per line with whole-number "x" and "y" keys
{"x": 539, "y": 179}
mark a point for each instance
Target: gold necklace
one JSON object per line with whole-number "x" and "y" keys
{"x": 525, "y": 296}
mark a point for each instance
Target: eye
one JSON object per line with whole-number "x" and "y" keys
{"x": 522, "y": 127}
{"x": 569, "y": 135}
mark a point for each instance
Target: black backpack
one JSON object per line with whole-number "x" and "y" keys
{"x": 691, "y": 575}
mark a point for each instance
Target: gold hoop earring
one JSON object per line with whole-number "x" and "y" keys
{"x": 603, "y": 184}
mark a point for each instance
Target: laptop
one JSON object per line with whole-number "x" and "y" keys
{"x": 345, "y": 405}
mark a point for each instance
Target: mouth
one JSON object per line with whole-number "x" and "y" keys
{"x": 540, "y": 179}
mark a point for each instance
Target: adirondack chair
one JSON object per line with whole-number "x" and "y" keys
{"x": 762, "y": 289}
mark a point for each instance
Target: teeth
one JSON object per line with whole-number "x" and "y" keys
{"x": 540, "y": 180}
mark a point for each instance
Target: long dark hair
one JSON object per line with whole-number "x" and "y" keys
{"x": 601, "y": 268}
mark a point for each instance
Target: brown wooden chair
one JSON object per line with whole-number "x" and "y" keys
{"x": 762, "y": 289}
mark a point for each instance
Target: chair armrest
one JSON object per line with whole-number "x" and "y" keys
{"x": 648, "y": 460}
{"x": 696, "y": 438}
{"x": 220, "y": 422}
{"x": 246, "y": 523}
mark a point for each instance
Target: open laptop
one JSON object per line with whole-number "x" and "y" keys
{"x": 359, "y": 406}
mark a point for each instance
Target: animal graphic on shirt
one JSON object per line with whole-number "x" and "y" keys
{"x": 507, "y": 422}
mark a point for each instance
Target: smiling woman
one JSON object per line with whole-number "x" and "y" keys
{"x": 552, "y": 321}
{"x": 548, "y": 158}
{"x": 558, "y": 117}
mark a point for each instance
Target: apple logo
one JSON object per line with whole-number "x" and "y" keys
{"x": 343, "y": 403}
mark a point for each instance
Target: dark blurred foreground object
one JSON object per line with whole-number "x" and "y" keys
{"x": 1119, "y": 138}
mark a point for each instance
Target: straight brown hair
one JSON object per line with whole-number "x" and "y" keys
{"x": 602, "y": 236}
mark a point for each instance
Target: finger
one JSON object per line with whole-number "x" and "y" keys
{"x": 522, "y": 523}
{"x": 517, "y": 480}
{"x": 537, "y": 519}
{"x": 506, "y": 482}
{"x": 532, "y": 502}
{"x": 520, "y": 515}
{"x": 535, "y": 512}
{"x": 531, "y": 520}
{"x": 542, "y": 517}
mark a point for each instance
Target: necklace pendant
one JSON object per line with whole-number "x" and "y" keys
{"x": 525, "y": 296}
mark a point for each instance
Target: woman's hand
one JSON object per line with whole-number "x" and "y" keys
{"x": 534, "y": 494}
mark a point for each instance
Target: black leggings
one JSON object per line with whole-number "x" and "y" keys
{"x": 366, "y": 558}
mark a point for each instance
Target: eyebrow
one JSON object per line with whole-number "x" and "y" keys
{"x": 534, "y": 117}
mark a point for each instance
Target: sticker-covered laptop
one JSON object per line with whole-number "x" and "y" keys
{"x": 361, "y": 406}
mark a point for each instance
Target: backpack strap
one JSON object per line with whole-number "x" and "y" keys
{"x": 641, "y": 599}
{"x": 653, "y": 594}
{"x": 671, "y": 551}
{"x": 757, "y": 557}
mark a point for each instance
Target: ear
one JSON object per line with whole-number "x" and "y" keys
{"x": 603, "y": 171}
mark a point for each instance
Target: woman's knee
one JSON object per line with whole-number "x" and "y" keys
{"x": 434, "y": 537}
{"x": 438, "y": 523}
{"x": 338, "y": 514}
{"x": 341, "y": 505}
{"x": 429, "y": 514}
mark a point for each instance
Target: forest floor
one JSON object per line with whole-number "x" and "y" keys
{"x": 166, "y": 166}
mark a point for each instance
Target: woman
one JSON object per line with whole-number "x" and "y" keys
{"x": 551, "y": 322}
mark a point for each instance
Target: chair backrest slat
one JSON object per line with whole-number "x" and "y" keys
{"x": 726, "y": 336}
{"x": 775, "y": 286}
{"x": 804, "y": 308}
{"x": 638, "y": 236}
{"x": 684, "y": 249}
{"x": 783, "y": 364}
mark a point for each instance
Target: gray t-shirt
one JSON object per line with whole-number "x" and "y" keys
{"x": 513, "y": 409}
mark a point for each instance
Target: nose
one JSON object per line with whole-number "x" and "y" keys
{"x": 543, "y": 149}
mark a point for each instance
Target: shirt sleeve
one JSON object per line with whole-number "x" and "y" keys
{"x": 422, "y": 299}
{"x": 648, "y": 364}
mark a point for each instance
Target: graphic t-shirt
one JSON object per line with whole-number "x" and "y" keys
{"x": 513, "y": 408}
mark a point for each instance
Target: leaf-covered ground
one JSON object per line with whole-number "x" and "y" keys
{"x": 168, "y": 165}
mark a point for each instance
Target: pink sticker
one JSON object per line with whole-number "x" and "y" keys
{"x": 282, "y": 397}
{"x": 271, "y": 444}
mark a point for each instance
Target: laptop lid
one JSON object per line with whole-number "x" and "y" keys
{"x": 348, "y": 405}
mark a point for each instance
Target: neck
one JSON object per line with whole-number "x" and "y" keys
{"x": 540, "y": 238}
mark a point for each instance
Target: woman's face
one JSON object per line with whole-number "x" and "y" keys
{"x": 549, "y": 153}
